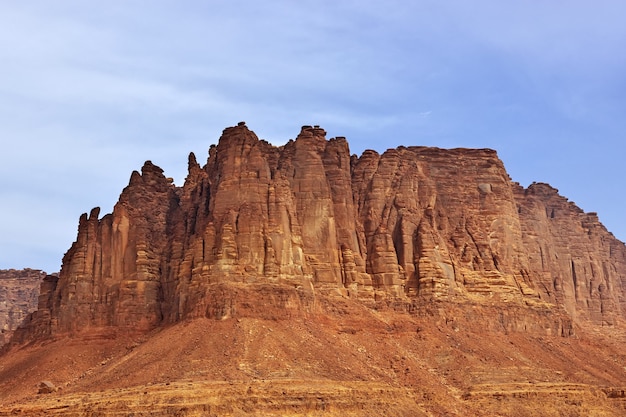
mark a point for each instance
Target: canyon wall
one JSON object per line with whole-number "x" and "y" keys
{"x": 412, "y": 226}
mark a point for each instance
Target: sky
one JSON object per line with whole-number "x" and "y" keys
{"x": 91, "y": 90}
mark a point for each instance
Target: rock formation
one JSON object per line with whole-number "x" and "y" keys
{"x": 410, "y": 227}
{"x": 19, "y": 291}
{"x": 573, "y": 260}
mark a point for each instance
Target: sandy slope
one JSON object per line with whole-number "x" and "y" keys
{"x": 345, "y": 360}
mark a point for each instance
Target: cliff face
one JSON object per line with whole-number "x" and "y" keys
{"x": 573, "y": 260}
{"x": 406, "y": 227}
{"x": 19, "y": 291}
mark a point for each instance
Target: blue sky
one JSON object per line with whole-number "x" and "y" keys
{"x": 90, "y": 90}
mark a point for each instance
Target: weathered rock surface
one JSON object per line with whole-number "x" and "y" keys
{"x": 573, "y": 260}
{"x": 46, "y": 387}
{"x": 402, "y": 228}
{"x": 19, "y": 292}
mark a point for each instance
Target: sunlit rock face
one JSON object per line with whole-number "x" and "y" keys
{"x": 573, "y": 260}
{"x": 408, "y": 227}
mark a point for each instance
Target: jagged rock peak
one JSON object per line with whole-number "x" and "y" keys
{"x": 312, "y": 130}
{"x": 192, "y": 162}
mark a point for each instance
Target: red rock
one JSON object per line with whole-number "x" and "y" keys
{"x": 46, "y": 387}
{"x": 411, "y": 225}
{"x": 573, "y": 260}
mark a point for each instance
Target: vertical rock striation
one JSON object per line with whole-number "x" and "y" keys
{"x": 413, "y": 223}
{"x": 574, "y": 260}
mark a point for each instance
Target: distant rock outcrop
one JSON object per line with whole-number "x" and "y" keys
{"x": 405, "y": 228}
{"x": 19, "y": 291}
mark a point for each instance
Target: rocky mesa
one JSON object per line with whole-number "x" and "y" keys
{"x": 408, "y": 225}
{"x": 322, "y": 242}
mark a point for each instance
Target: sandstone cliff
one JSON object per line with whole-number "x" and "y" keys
{"x": 573, "y": 260}
{"x": 19, "y": 291}
{"x": 407, "y": 228}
